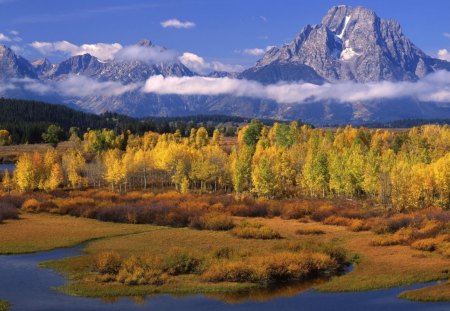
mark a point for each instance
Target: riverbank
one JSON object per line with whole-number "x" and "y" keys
{"x": 225, "y": 261}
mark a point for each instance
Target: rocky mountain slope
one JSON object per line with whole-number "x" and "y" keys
{"x": 350, "y": 44}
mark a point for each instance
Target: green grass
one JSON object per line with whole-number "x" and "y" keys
{"x": 440, "y": 292}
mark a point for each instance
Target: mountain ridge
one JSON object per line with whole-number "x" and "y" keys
{"x": 350, "y": 44}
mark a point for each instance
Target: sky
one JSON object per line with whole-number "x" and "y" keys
{"x": 227, "y": 34}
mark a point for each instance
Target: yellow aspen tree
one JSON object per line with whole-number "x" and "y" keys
{"x": 73, "y": 165}
{"x": 7, "y": 182}
{"x": 25, "y": 173}
{"x": 216, "y": 138}
{"x": 115, "y": 171}
{"x": 441, "y": 170}
{"x": 201, "y": 138}
{"x": 55, "y": 179}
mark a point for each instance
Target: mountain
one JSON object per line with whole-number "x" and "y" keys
{"x": 351, "y": 44}
{"x": 41, "y": 66}
{"x": 13, "y": 66}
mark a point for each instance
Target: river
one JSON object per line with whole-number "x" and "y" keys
{"x": 29, "y": 287}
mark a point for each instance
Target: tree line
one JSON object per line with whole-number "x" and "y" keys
{"x": 400, "y": 169}
{"x": 26, "y": 121}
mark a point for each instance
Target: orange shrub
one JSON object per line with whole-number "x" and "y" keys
{"x": 107, "y": 262}
{"x": 429, "y": 244}
{"x": 337, "y": 221}
{"x": 248, "y": 230}
{"x": 31, "y": 205}
{"x": 402, "y": 236}
{"x": 216, "y": 221}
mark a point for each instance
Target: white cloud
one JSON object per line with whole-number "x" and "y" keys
{"x": 73, "y": 86}
{"x": 147, "y": 54}
{"x": 175, "y": 23}
{"x": 254, "y": 52}
{"x": 200, "y": 65}
{"x": 257, "y": 51}
{"x": 14, "y": 32}
{"x": 446, "y": 34}
{"x": 79, "y": 86}
{"x": 444, "y": 54}
{"x": 103, "y": 51}
{"x": 434, "y": 87}
{"x": 263, "y": 18}
{"x": 17, "y": 49}
{"x": 4, "y": 37}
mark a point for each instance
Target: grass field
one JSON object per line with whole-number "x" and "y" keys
{"x": 40, "y": 232}
{"x": 440, "y": 292}
{"x": 374, "y": 266}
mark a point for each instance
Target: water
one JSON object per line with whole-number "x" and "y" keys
{"x": 9, "y": 167}
{"x": 30, "y": 288}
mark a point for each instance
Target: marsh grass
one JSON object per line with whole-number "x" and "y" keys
{"x": 440, "y": 292}
{"x": 39, "y": 232}
{"x": 251, "y": 230}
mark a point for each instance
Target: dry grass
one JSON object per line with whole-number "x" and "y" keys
{"x": 254, "y": 230}
{"x": 440, "y": 292}
{"x": 38, "y": 232}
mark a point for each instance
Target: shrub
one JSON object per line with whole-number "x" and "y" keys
{"x": 278, "y": 267}
{"x": 107, "y": 263}
{"x": 216, "y": 221}
{"x": 337, "y": 221}
{"x": 248, "y": 230}
{"x": 357, "y": 225}
{"x": 337, "y": 253}
{"x": 179, "y": 262}
{"x": 14, "y": 200}
{"x": 31, "y": 205}
{"x": 428, "y": 245}
{"x": 295, "y": 210}
{"x": 249, "y": 209}
{"x": 431, "y": 228}
{"x": 324, "y": 211}
{"x": 135, "y": 271}
{"x": 402, "y": 236}
{"x": 8, "y": 211}
{"x": 309, "y": 231}
{"x": 236, "y": 271}
{"x": 393, "y": 223}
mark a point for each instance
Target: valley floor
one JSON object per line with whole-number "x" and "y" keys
{"x": 374, "y": 267}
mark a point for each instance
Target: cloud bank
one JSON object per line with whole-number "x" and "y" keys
{"x": 147, "y": 54}
{"x": 434, "y": 87}
{"x": 175, "y": 23}
{"x": 73, "y": 86}
{"x": 444, "y": 54}
{"x": 4, "y": 37}
{"x": 200, "y": 65}
{"x": 103, "y": 51}
{"x": 257, "y": 51}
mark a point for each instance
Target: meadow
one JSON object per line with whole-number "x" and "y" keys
{"x": 190, "y": 243}
{"x": 169, "y": 213}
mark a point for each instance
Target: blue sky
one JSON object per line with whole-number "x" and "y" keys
{"x": 223, "y": 29}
